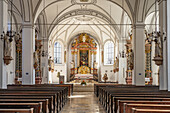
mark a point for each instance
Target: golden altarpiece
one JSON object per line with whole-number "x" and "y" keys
{"x": 84, "y": 50}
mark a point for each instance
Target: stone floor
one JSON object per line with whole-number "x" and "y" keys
{"x": 83, "y": 102}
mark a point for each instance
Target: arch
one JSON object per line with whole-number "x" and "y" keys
{"x": 89, "y": 12}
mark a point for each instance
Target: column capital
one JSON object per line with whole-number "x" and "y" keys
{"x": 28, "y": 25}
{"x": 139, "y": 26}
{"x": 160, "y": 1}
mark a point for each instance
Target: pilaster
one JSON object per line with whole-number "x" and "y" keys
{"x": 3, "y": 27}
{"x": 168, "y": 43}
{"x": 163, "y": 80}
{"x": 139, "y": 54}
{"x": 28, "y": 48}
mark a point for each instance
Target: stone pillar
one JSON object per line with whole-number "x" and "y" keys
{"x": 3, "y": 27}
{"x": 44, "y": 63}
{"x": 122, "y": 63}
{"x": 163, "y": 80}
{"x": 139, "y": 54}
{"x": 28, "y": 48}
{"x": 168, "y": 43}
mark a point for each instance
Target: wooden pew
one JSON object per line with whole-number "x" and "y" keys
{"x": 31, "y": 97}
{"x": 44, "y": 102}
{"x": 59, "y": 94}
{"x": 37, "y": 94}
{"x": 128, "y": 107}
{"x": 37, "y": 106}
{"x": 150, "y": 111}
{"x": 116, "y": 99}
{"x": 17, "y": 110}
{"x": 108, "y": 102}
{"x": 122, "y": 102}
{"x": 62, "y": 92}
{"x": 70, "y": 86}
{"x": 108, "y": 94}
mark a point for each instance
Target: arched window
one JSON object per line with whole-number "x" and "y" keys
{"x": 109, "y": 53}
{"x": 57, "y": 53}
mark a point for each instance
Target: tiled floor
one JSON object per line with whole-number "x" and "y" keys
{"x": 83, "y": 102}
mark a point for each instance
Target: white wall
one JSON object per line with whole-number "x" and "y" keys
{"x": 110, "y": 74}
{"x": 59, "y": 68}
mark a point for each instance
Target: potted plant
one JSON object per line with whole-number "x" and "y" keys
{"x": 83, "y": 83}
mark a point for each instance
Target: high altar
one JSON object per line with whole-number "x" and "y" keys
{"x": 83, "y": 56}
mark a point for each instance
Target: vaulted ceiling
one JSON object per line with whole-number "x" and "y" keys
{"x": 63, "y": 19}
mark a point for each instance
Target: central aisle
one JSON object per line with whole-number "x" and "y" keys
{"x": 83, "y": 102}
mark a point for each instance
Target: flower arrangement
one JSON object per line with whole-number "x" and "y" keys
{"x": 83, "y": 83}
{"x": 61, "y": 82}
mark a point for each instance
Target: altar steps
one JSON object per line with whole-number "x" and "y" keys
{"x": 80, "y": 88}
{"x": 89, "y": 87}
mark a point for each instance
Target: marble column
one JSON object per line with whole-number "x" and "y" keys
{"x": 168, "y": 43}
{"x": 138, "y": 78}
{"x": 28, "y": 48}
{"x": 3, "y": 27}
{"x": 163, "y": 77}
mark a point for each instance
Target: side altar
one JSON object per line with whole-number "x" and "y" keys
{"x": 84, "y": 50}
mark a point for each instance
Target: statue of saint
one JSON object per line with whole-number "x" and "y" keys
{"x": 50, "y": 61}
{"x": 72, "y": 64}
{"x": 117, "y": 62}
{"x": 84, "y": 38}
{"x": 95, "y": 65}
{"x": 157, "y": 49}
{"x": 7, "y": 49}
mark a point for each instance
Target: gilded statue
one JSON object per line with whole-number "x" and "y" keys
{"x": 81, "y": 38}
{"x": 84, "y": 38}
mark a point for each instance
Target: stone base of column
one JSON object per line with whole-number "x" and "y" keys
{"x": 38, "y": 80}
{"x": 128, "y": 80}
